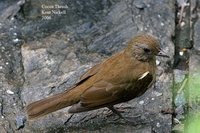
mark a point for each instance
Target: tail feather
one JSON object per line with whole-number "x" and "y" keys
{"x": 50, "y": 104}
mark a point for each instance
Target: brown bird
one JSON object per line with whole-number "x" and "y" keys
{"x": 120, "y": 78}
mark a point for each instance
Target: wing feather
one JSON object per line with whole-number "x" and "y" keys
{"x": 103, "y": 94}
{"x": 88, "y": 74}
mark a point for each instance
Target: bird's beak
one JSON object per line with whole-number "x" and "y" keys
{"x": 162, "y": 54}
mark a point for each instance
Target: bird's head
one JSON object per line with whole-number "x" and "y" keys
{"x": 144, "y": 47}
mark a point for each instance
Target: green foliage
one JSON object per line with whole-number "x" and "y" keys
{"x": 192, "y": 124}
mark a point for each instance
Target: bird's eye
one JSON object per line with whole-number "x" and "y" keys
{"x": 147, "y": 50}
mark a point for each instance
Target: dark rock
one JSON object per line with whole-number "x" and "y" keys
{"x": 2, "y": 129}
{"x": 196, "y": 35}
{"x": 179, "y": 75}
{"x": 10, "y": 12}
{"x": 139, "y": 4}
{"x": 76, "y": 13}
{"x": 180, "y": 113}
{"x": 20, "y": 121}
{"x": 180, "y": 99}
{"x": 58, "y": 51}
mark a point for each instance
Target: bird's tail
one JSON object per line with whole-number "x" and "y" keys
{"x": 52, "y": 103}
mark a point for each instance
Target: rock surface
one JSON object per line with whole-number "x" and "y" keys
{"x": 41, "y": 57}
{"x": 189, "y": 103}
{"x": 194, "y": 74}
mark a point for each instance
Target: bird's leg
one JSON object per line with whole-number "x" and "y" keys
{"x": 120, "y": 116}
{"x": 115, "y": 111}
{"x": 122, "y": 108}
{"x": 119, "y": 109}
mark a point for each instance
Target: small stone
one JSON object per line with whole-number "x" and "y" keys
{"x": 181, "y": 53}
{"x": 180, "y": 99}
{"x": 159, "y": 16}
{"x": 15, "y": 34}
{"x": 3, "y": 48}
{"x": 182, "y": 24}
{"x": 157, "y": 93}
{"x": 182, "y": 3}
{"x": 176, "y": 121}
{"x": 158, "y": 124}
{"x": 7, "y": 63}
{"x": 157, "y": 62}
{"x": 179, "y": 110}
{"x": 141, "y": 102}
{"x": 162, "y": 24}
{"x": 139, "y": 4}
{"x": 152, "y": 98}
{"x": 180, "y": 113}
{"x": 20, "y": 120}
{"x": 10, "y": 92}
{"x": 1, "y": 67}
{"x": 71, "y": 55}
{"x": 50, "y": 62}
{"x": 80, "y": 21}
{"x": 16, "y": 40}
{"x": 169, "y": 123}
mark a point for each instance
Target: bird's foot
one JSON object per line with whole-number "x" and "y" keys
{"x": 123, "y": 109}
{"x": 129, "y": 120}
{"x": 119, "y": 109}
{"x": 116, "y": 111}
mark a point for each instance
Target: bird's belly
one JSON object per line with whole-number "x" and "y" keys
{"x": 134, "y": 91}
{"x": 129, "y": 96}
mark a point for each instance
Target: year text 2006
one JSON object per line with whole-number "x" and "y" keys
{"x": 46, "y": 17}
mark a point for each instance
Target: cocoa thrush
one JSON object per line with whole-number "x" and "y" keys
{"x": 120, "y": 78}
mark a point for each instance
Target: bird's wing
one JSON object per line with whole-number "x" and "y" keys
{"x": 95, "y": 97}
{"x": 103, "y": 94}
{"x": 88, "y": 74}
{"x": 95, "y": 69}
